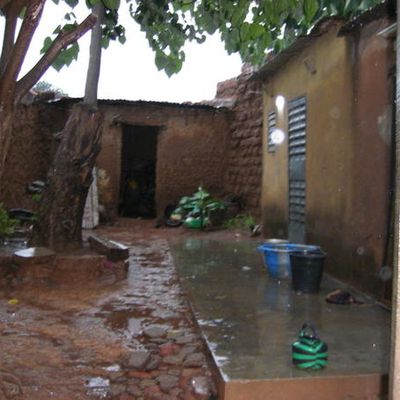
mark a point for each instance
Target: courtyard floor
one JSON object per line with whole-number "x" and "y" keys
{"x": 125, "y": 339}
{"x": 134, "y": 336}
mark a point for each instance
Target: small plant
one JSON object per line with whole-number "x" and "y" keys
{"x": 37, "y": 198}
{"x": 7, "y": 224}
{"x": 195, "y": 209}
{"x": 240, "y": 221}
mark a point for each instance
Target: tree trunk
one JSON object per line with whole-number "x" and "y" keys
{"x": 93, "y": 73}
{"x": 61, "y": 211}
{"x": 69, "y": 179}
{"x": 6, "y": 121}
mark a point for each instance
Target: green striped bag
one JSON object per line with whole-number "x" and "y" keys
{"x": 309, "y": 351}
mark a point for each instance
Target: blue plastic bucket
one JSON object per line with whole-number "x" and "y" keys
{"x": 276, "y": 257}
{"x": 274, "y": 241}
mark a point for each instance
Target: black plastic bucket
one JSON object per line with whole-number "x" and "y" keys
{"x": 307, "y": 269}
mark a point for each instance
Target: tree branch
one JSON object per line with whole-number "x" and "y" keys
{"x": 93, "y": 73}
{"x": 62, "y": 41}
{"x": 4, "y": 3}
{"x": 11, "y": 12}
{"x": 17, "y": 56}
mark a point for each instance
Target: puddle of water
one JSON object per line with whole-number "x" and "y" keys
{"x": 252, "y": 318}
{"x": 124, "y": 320}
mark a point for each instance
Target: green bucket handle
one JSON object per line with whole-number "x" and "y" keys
{"x": 309, "y": 327}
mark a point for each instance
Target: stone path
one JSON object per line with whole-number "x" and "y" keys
{"x": 169, "y": 361}
{"x": 129, "y": 340}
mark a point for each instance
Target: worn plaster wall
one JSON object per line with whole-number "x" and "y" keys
{"x": 347, "y": 159}
{"x": 372, "y": 162}
{"x": 30, "y": 151}
{"x": 244, "y": 151}
{"x": 328, "y": 94}
{"x": 190, "y": 150}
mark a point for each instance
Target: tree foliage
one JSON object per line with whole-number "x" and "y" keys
{"x": 44, "y": 87}
{"x": 247, "y": 27}
{"x": 111, "y": 30}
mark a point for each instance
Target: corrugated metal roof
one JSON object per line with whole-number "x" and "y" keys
{"x": 121, "y": 102}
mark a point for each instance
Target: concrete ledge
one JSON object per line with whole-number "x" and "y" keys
{"x": 78, "y": 268}
{"x": 39, "y": 266}
{"x": 114, "y": 251}
{"x": 35, "y": 265}
{"x": 354, "y": 387}
{"x": 250, "y": 320}
{"x": 34, "y": 255}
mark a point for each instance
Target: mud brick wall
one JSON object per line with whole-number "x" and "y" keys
{"x": 197, "y": 145}
{"x": 191, "y": 149}
{"x": 30, "y": 152}
{"x": 244, "y": 150}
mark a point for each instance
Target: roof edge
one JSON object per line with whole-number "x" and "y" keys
{"x": 121, "y": 102}
{"x": 382, "y": 10}
{"x": 300, "y": 44}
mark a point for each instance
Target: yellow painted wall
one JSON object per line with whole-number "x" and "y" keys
{"x": 347, "y": 152}
{"x": 329, "y": 125}
{"x": 322, "y": 73}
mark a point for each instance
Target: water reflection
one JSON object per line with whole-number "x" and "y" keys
{"x": 249, "y": 319}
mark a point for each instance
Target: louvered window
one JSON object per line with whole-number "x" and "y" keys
{"x": 297, "y": 124}
{"x": 271, "y": 128}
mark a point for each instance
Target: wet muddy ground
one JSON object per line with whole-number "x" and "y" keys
{"x": 130, "y": 339}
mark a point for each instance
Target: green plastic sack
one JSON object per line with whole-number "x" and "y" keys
{"x": 193, "y": 223}
{"x": 309, "y": 351}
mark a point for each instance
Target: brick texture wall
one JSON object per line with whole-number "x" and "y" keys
{"x": 244, "y": 149}
{"x": 30, "y": 152}
{"x": 220, "y": 149}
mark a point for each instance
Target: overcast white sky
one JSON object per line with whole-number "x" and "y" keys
{"x": 128, "y": 71}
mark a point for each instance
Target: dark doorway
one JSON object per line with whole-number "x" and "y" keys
{"x": 138, "y": 171}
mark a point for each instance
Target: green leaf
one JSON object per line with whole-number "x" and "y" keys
{"x": 310, "y": 8}
{"x": 66, "y": 57}
{"x": 46, "y": 44}
{"x": 70, "y": 16}
{"x": 161, "y": 62}
{"x": 186, "y": 6}
{"x": 91, "y": 3}
{"x": 57, "y": 30}
{"x": 351, "y": 6}
{"x": 72, "y": 3}
{"x": 112, "y": 4}
{"x": 256, "y": 31}
{"x": 105, "y": 42}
